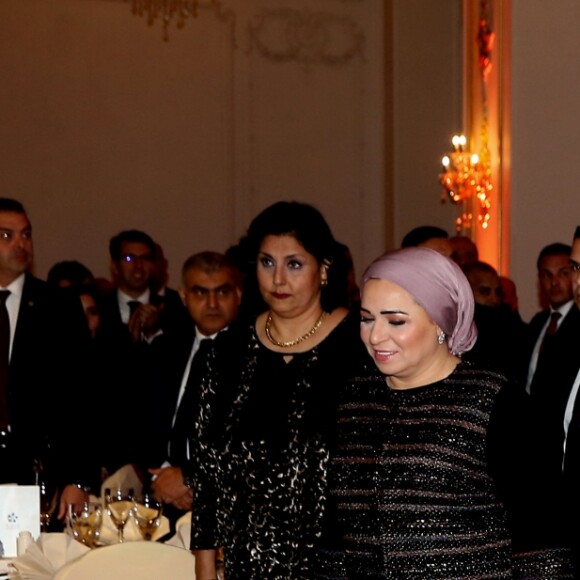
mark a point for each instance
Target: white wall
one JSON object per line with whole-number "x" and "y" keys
{"x": 427, "y": 109}
{"x": 106, "y": 127}
{"x": 545, "y": 135}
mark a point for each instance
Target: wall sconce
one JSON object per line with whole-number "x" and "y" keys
{"x": 466, "y": 181}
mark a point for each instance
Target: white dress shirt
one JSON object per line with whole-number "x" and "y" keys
{"x": 124, "y": 299}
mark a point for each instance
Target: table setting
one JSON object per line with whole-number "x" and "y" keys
{"x": 51, "y": 552}
{"x": 97, "y": 525}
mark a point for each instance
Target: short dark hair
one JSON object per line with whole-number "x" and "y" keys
{"x": 136, "y": 236}
{"x": 421, "y": 234}
{"x": 209, "y": 262}
{"x": 307, "y": 225}
{"x": 555, "y": 249}
{"x": 9, "y": 204}
{"x": 479, "y": 266}
{"x": 71, "y": 270}
{"x": 89, "y": 290}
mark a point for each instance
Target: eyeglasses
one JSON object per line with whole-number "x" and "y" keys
{"x": 575, "y": 266}
{"x": 133, "y": 258}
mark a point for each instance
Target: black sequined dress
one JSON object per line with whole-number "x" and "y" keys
{"x": 439, "y": 481}
{"x": 261, "y": 451}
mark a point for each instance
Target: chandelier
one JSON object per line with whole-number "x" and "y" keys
{"x": 466, "y": 176}
{"x": 166, "y": 10}
{"x": 466, "y": 180}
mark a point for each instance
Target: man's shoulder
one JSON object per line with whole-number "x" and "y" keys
{"x": 109, "y": 304}
{"x": 34, "y": 284}
{"x": 539, "y": 318}
{"x": 573, "y": 314}
{"x": 571, "y": 323}
{"x": 36, "y": 292}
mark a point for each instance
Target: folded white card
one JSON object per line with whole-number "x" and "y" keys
{"x": 19, "y": 511}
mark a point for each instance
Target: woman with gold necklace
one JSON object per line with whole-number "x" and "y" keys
{"x": 267, "y": 412}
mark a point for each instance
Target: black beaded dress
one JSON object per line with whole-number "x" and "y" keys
{"x": 261, "y": 451}
{"x": 439, "y": 481}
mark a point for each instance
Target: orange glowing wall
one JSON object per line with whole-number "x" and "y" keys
{"x": 486, "y": 105}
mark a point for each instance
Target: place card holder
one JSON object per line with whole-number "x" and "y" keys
{"x": 19, "y": 512}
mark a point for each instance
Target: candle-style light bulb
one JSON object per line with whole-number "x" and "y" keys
{"x": 474, "y": 159}
{"x": 446, "y": 162}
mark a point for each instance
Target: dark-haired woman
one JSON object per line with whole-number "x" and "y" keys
{"x": 262, "y": 440}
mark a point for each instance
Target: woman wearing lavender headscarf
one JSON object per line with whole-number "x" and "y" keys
{"x": 435, "y": 473}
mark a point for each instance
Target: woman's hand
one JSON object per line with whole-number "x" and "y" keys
{"x": 73, "y": 495}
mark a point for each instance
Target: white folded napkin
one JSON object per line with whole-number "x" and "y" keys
{"x": 124, "y": 478}
{"x": 45, "y": 556}
{"x": 182, "y": 535}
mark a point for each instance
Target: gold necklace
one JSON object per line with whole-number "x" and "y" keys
{"x": 288, "y": 343}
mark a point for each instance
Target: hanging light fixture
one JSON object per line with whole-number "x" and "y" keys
{"x": 466, "y": 176}
{"x": 166, "y": 10}
{"x": 466, "y": 181}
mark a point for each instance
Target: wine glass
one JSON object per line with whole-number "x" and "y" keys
{"x": 48, "y": 505}
{"x": 86, "y": 523}
{"x": 119, "y": 506}
{"x": 147, "y": 515}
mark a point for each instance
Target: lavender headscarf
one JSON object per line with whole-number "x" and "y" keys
{"x": 437, "y": 284}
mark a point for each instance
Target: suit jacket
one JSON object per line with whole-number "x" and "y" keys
{"x": 555, "y": 374}
{"x": 172, "y": 352}
{"x": 45, "y": 383}
{"x": 172, "y": 355}
{"x": 501, "y": 341}
{"x": 173, "y": 318}
{"x": 129, "y": 373}
{"x": 535, "y": 327}
{"x": 564, "y": 377}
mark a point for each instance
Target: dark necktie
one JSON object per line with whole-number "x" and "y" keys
{"x": 4, "y": 352}
{"x": 182, "y": 427}
{"x": 551, "y": 330}
{"x": 133, "y": 305}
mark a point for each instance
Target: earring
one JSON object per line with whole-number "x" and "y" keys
{"x": 324, "y": 282}
{"x": 441, "y": 337}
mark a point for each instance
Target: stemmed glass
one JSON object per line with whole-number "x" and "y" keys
{"x": 48, "y": 505}
{"x": 119, "y": 506}
{"x": 86, "y": 523}
{"x": 147, "y": 515}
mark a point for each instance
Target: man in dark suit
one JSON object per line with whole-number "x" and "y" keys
{"x": 556, "y": 355}
{"x": 211, "y": 292}
{"x": 41, "y": 371}
{"x": 134, "y": 306}
{"x": 571, "y": 419}
{"x": 133, "y": 317}
{"x": 553, "y": 354}
{"x": 501, "y": 333}
{"x": 555, "y": 285}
